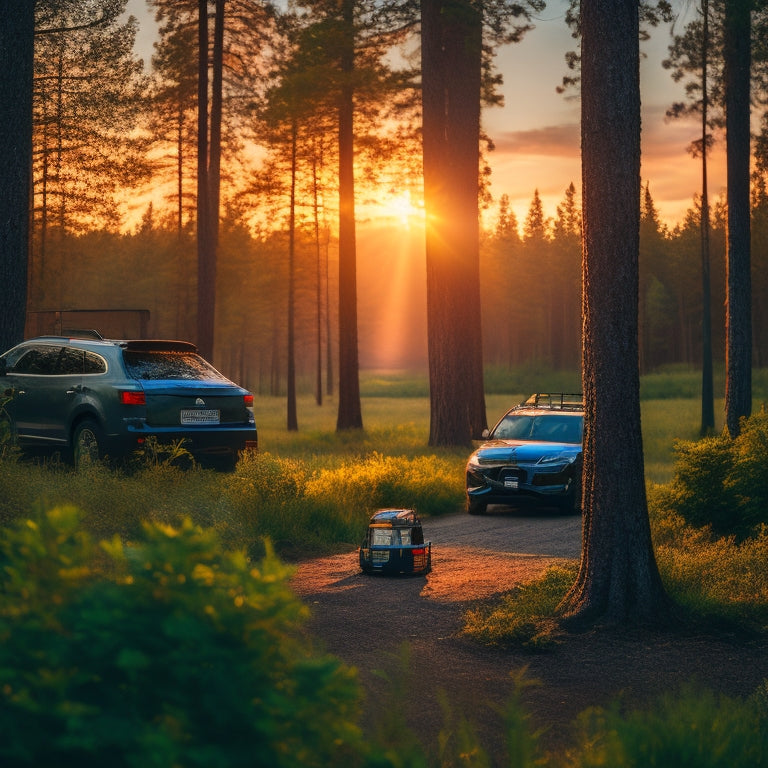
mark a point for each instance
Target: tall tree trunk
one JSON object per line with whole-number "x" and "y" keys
{"x": 707, "y": 386}
{"x": 738, "y": 352}
{"x": 350, "y": 413}
{"x": 217, "y": 108}
{"x": 618, "y": 579}
{"x": 206, "y": 276}
{"x": 451, "y": 49}
{"x": 293, "y": 422}
{"x": 16, "y": 64}
{"x": 329, "y": 385}
{"x": 319, "y": 286}
{"x": 180, "y": 174}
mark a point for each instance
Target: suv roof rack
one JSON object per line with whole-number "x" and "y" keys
{"x": 560, "y": 401}
{"x": 82, "y": 333}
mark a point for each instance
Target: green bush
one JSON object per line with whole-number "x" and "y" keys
{"x": 166, "y": 652}
{"x": 723, "y": 482}
{"x": 713, "y": 578}
{"x": 267, "y": 496}
{"x": 430, "y": 484}
{"x": 695, "y": 729}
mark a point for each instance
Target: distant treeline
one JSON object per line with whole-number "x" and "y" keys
{"x": 531, "y": 289}
{"x": 532, "y": 285}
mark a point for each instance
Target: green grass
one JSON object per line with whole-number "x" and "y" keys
{"x": 400, "y": 426}
{"x": 312, "y": 490}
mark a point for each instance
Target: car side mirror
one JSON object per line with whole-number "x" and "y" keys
{"x": 3, "y": 368}
{"x": 486, "y": 432}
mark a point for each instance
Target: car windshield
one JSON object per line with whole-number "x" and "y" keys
{"x": 169, "y": 365}
{"x": 549, "y": 428}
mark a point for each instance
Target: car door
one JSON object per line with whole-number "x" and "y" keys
{"x": 41, "y": 395}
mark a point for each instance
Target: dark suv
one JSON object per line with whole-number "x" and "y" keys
{"x": 96, "y": 397}
{"x": 532, "y": 456}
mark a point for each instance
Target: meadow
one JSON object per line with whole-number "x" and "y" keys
{"x": 313, "y": 489}
{"x": 174, "y": 540}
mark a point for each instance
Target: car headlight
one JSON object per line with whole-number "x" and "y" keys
{"x": 558, "y": 458}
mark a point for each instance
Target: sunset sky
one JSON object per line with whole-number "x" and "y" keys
{"x": 536, "y": 133}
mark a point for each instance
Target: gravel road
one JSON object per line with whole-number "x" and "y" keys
{"x": 367, "y": 620}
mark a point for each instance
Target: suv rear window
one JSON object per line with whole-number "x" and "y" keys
{"x": 169, "y": 365}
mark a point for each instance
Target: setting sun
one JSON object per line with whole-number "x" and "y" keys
{"x": 402, "y": 208}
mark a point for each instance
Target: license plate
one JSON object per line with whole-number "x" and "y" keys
{"x": 200, "y": 416}
{"x": 511, "y": 482}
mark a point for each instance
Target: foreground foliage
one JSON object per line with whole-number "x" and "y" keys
{"x": 694, "y": 727}
{"x": 172, "y": 650}
{"x": 168, "y": 651}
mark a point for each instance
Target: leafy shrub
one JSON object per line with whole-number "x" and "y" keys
{"x": 695, "y": 728}
{"x": 266, "y": 497}
{"x": 720, "y": 577}
{"x": 166, "y": 652}
{"x": 723, "y": 482}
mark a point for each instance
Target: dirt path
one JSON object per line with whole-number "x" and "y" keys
{"x": 365, "y": 620}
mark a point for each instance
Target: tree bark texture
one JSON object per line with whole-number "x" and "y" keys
{"x": 738, "y": 352}
{"x": 206, "y": 268}
{"x": 618, "y": 579}
{"x": 293, "y": 419}
{"x": 16, "y": 66}
{"x": 350, "y": 413}
{"x": 707, "y": 385}
{"x": 451, "y": 82}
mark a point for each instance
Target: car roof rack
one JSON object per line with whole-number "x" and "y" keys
{"x": 556, "y": 401}
{"x": 81, "y": 333}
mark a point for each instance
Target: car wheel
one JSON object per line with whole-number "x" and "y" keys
{"x": 87, "y": 443}
{"x": 571, "y": 504}
{"x": 476, "y": 507}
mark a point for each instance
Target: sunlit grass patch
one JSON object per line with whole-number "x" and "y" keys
{"x": 665, "y": 420}
{"x": 524, "y": 615}
{"x": 398, "y": 425}
{"x": 431, "y": 484}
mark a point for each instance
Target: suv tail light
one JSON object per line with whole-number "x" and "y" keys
{"x": 131, "y": 397}
{"x": 248, "y": 401}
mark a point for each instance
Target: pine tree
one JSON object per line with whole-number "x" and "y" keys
{"x": 737, "y": 58}
{"x": 16, "y": 67}
{"x": 566, "y": 277}
{"x": 693, "y": 53}
{"x": 618, "y": 580}
{"x": 88, "y": 94}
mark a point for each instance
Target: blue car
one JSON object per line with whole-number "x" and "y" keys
{"x": 394, "y": 544}
{"x": 533, "y": 456}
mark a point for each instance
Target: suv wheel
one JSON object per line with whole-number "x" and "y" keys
{"x": 87, "y": 443}
{"x": 571, "y": 504}
{"x": 476, "y": 507}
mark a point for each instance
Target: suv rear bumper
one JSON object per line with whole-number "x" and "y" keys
{"x": 222, "y": 440}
